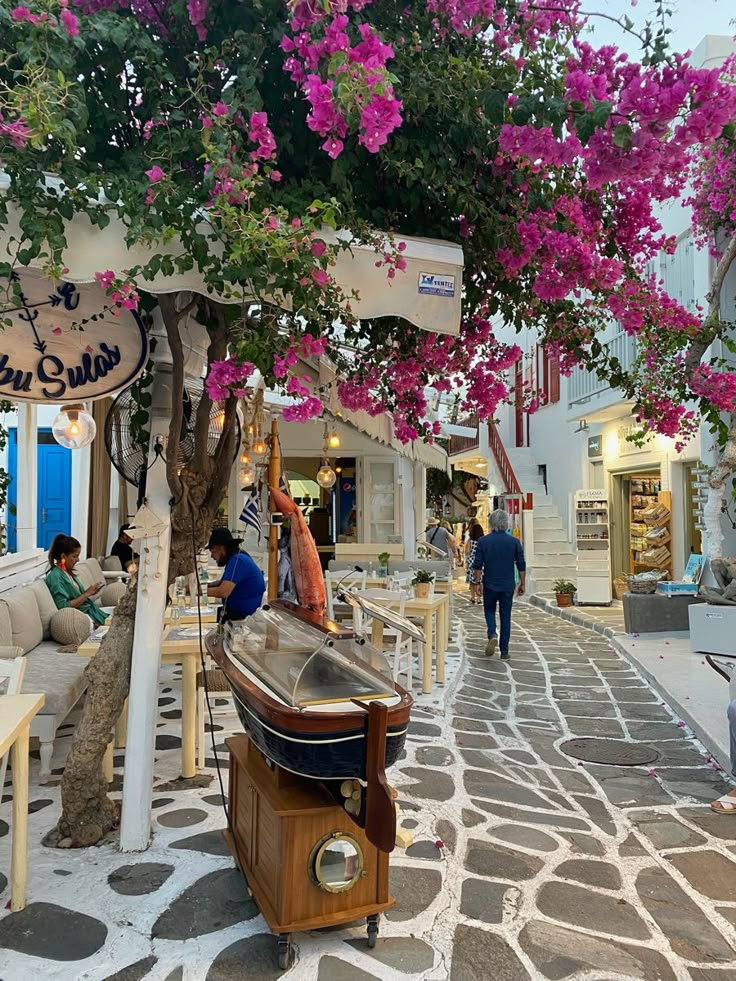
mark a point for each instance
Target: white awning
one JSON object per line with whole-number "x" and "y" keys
{"x": 427, "y": 293}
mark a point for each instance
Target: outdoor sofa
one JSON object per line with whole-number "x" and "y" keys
{"x": 25, "y": 629}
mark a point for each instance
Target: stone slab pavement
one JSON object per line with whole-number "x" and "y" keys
{"x": 526, "y": 863}
{"x": 668, "y": 662}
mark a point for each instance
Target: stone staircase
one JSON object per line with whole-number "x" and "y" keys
{"x": 554, "y": 556}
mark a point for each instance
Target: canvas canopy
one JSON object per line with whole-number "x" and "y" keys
{"x": 427, "y": 293}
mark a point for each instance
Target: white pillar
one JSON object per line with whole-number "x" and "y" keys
{"x": 406, "y": 489}
{"x": 81, "y": 475}
{"x": 420, "y": 506}
{"x": 27, "y": 477}
{"x": 135, "y": 828}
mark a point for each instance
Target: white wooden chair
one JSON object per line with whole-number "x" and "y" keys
{"x": 351, "y": 580}
{"x": 11, "y": 682}
{"x": 399, "y": 648}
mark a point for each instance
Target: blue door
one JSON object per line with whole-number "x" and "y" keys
{"x": 54, "y": 489}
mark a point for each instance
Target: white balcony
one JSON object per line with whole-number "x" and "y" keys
{"x": 593, "y": 399}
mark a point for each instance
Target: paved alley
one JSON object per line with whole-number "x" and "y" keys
{"x": 556, "y": 869}
{"x": 526, "y": 864}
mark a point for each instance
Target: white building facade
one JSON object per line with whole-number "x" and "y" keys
{"x": 577, "y": 440}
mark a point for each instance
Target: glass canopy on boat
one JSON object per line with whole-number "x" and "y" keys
{"x": 304, "y": 666}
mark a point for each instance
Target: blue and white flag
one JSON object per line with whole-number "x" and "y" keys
{"x": 251, "y": 513}
{"x": 284, "y": 484}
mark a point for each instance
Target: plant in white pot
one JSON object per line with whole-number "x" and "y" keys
{"x": 422, "y": 582}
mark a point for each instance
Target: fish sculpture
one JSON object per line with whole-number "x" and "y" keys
{"x": 310, "y": 584}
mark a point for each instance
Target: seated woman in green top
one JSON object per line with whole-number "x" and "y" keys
{"x": 64, "y": 586}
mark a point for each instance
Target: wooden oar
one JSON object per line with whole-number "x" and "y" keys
{"x": 380, "y": 811}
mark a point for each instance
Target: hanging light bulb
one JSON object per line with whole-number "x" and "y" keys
{"x": 74, "y": 427}
{"x": 326, "y": 476}
{"x": 244, "y": 458}
{"x": 259, "y": 447}
{"x": 247, "y": 476}
{"x": 334, "y": 440}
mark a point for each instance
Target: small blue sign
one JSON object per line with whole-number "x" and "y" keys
{"x": 431, "y": 283}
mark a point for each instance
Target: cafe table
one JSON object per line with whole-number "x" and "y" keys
{"x": 179, "y": 645}
{"x": 16, "y": 713}
{"x": 434, "y": 613}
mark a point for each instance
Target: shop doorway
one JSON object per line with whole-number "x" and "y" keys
{"x": 632, "y": 492}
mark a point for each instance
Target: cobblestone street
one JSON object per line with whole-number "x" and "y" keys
{"x": 556, "y": 868}
{"x": 525, "y": 862}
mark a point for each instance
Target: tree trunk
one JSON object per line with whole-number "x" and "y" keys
{"x": 87, "y": 812}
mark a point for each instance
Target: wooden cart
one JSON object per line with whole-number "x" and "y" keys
{"x": 307, "y": 864}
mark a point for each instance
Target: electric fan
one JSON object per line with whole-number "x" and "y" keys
{"x": 127, "y": 444}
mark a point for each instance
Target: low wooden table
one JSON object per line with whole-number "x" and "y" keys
{"x": 179, "y": 645}
{"x": 16, "y": 713}
{"x": 432, "y": 611}
{"x": 190, "y": 614}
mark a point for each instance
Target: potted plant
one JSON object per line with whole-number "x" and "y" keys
{"x": 564, "y": 592}
{"x": 421, "y": 583}
{"x": 383, "y": 558}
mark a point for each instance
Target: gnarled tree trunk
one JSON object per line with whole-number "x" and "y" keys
{"x": 87, "y": 812}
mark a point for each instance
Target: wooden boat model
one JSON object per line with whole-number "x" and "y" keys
{"x": 319, "y": 701}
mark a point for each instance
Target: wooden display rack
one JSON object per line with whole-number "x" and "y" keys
{"x": 665, "y": 522}
{"x": 278, "y": 819}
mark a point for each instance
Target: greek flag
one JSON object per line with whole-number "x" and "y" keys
{"x": 251, "y": 513}
{"x": 284, "y": 484}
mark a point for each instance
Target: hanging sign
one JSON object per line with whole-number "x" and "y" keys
{"x": 63, "y": 342}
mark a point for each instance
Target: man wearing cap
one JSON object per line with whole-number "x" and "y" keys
{"x": 242, "y": 585}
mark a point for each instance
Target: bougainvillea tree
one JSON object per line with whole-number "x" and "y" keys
{"x": 241, "y": 130}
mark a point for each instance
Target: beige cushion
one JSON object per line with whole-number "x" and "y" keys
{"x": 83, "y": 571}
{"x": 46, "y": 605}
{"x": 6, "y": 632}
{"x": 60, "y": 677}
{"x": 111, "y": 594}
{"x": 111, "y": 564}
{"x": 25, "y": 618}
{"x": 70, "y": 626}
{"x": 89, "y": 571}
{"x": 9, "y": 653}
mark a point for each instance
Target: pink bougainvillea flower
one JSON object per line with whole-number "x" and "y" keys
{"x": 155, "y": 174}
{"x": 105, "y": 279}
{"x": 320, "y": 277}
{"x": 318, "y": 247}
{"x": 220, "y": 109}
{"x": 70, "y": 22}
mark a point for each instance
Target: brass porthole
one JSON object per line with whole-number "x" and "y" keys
{"x": 336, "y": 862}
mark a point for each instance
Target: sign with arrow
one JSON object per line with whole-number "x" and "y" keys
{"x": 60, "y": 342}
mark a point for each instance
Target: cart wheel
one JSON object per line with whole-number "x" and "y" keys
{"x": 372, "y": 930}
{"x": 284, "y": 951}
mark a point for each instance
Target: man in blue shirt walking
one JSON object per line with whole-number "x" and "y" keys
{"x": 498, "y": 555}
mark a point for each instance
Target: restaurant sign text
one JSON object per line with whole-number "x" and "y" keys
{"x": 63, "y": 343}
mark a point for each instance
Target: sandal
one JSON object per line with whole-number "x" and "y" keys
{"x": 725, "y": 804}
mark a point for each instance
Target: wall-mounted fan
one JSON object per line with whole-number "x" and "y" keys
{"x": 129, "y": 453}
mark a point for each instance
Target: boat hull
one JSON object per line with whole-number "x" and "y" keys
{"x": 333, "y": 756}
{"x": 321, "y": 745}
